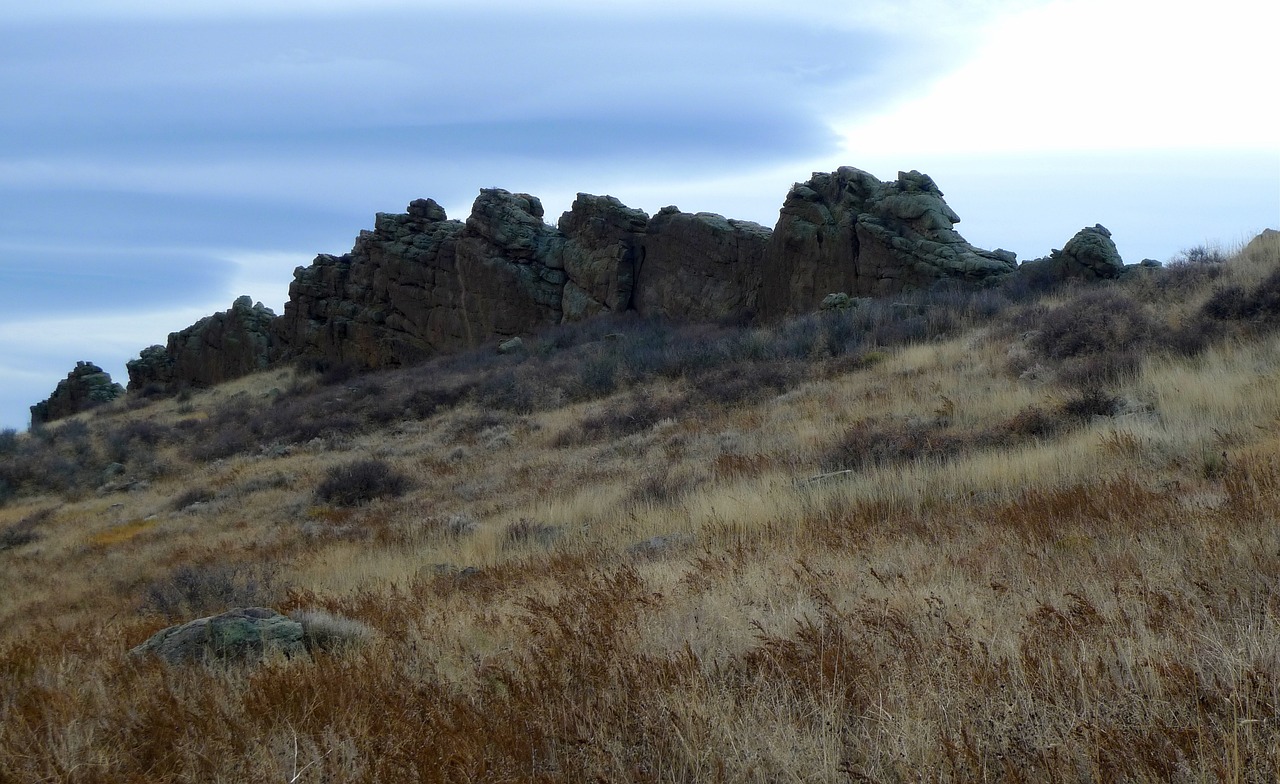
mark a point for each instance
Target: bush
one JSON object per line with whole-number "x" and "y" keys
{"x": 205, "y": 589}
{"x": 1236, "y": 303}
{"x": 362, "y": 481}
{"x": 1090, "y": 402}
{"x": 873, "y": 443}
{"x": 24, "y": 531}
{"x": 323, "y": 631}
{"x": 1096, "y": 322}
{"x": 121, "y": 442}
{"x": 8, "y": 441}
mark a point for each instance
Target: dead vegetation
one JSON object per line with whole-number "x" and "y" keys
{"x": 943, "y": 550}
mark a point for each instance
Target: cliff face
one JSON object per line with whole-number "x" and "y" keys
{"x": 849, "y": 232}
{"x": 420, "y": 283}
{"x": 217, "y": 348}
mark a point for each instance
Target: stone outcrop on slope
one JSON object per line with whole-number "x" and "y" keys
{"x": 849, "y": 232}
{"x": 217, "y": 348}
{"x": 419, "y": 283}
{"x": 1089, "y": 255}
{"x": 84, "y": 388}
{"x": 241, "y": 635}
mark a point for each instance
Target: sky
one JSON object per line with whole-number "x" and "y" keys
{"x": 159, "y": 159}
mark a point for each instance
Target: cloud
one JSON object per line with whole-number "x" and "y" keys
{"x": 37, "y": 353}
{"x": 39, "y": 281}
{"x": 1097, "y": 75}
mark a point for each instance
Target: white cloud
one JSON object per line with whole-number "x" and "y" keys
{"x": 40, "y": 352}
{"x": 265, "y": 275}
{"x": 1098, "y": 75}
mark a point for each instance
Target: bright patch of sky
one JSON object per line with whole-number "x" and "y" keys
{"x": 158, "y": 159}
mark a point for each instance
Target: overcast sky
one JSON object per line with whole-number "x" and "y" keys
{"x": 158, "y": 159}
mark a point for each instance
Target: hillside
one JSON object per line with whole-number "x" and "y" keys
{"x": 956, "y": 534}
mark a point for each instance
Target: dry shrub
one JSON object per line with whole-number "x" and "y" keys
{"x": 1238, "y": 303}
{"x": 526, "y": 530}
{"x": 361, "y": 481}
{"x": 1096, "y": 322}
{"x": 193, "y": 590}
{"x": 872, "y": 442}
{"x": 328, "y": 632}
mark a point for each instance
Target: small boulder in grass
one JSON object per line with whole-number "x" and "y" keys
{"x": 246, "y": 634}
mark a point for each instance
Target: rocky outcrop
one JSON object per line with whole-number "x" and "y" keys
{"x": 701, "y": 267}
{"x": 1267, "y": 243}
{"x": 240, "y": 635}
{"x": 1089, "y": 255}
{"x": 84, "y": 388}
{"x": 217, "y": 348}
{"x": 602, "y": 254}
{"x": 419, "y": 283}
{"x": 849, "y": 232}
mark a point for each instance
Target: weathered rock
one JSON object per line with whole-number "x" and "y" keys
{"x": 511, "y": 346}
{"x": 604, "y": 249}
{"x": 217, "y": 348}
{"x": 849, "y": 232}
{"x": 1089, "y": 255}
{"x": 1267, "y": 243}
{"x": 699, "y": 267}
{"x": 239, "y": 635}
{"x": 84, "y": 388}
{"x": 419, "y": 284}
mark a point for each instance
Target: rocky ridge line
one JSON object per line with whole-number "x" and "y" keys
{"x": 419, "y": 283}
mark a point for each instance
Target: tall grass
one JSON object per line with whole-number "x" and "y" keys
{"x": 906, "y": 560}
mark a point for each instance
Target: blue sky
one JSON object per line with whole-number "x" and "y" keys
{"x": 158, "y": 159}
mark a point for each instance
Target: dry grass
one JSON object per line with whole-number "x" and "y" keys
{"x": 1002, "y": 591}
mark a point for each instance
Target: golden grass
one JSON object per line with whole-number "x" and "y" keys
{"x": 1098, "y": 603}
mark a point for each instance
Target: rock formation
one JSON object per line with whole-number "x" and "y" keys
{"x": 246, "y": 634}
{"x": 700, "y": 267}
{"x": 1089, "y": 255}
{"x": 849, "y": 232}
{"x": 217, "y": 348}
{"x": 420, "y": 283}
{"x": 84, "y": 388}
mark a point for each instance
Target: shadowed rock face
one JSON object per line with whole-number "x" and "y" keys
{"x": 217, "y": 348}
{"x": 84, "y": 388}
{"x": 849, "y": 232}
{"x": 701, "y": 267}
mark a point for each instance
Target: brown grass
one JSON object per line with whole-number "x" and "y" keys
{"x": 988, "y": 587}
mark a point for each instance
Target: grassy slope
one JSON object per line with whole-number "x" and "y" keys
{"x": 886, "y": 563}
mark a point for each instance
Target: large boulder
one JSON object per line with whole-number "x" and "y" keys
{"x": 85, "y": 387}
{"x": 1267, "y": 243}
{"x": 1089, "y": 255}
{"x": 239, "y": 635}
{"x": 849, "y": 232}
{"x": 700, "y": 267}
{"x": 217, "y": 348}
